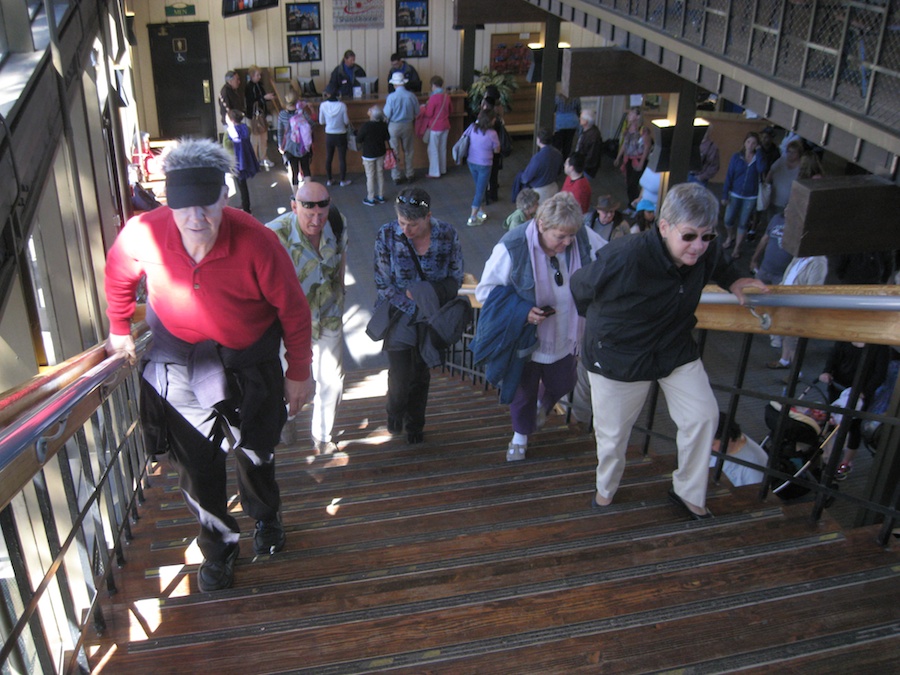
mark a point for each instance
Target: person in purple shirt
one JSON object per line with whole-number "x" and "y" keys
{"x": 484, "y": 143}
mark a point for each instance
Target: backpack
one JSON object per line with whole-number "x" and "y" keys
{"x": 300, "y": 132}
{"x": 336, "y": 220}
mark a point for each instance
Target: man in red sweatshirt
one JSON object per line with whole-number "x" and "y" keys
{"x": 221, "y": 295}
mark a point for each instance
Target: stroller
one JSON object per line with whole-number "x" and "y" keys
{"x": 806, "y": 434}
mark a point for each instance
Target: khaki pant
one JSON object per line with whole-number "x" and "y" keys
{"x": 692, "y": 407}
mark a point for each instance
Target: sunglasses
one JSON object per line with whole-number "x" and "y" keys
{"x": 411, "y": 201}
{"x": 324, "y": 204}
{"x": 557, "y": 275}
{"x": 688, "y": 237}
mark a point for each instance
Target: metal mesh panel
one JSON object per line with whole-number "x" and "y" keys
{"x": 715, "y": 33}
{"x": 693, "y": 21}
{"x": 764, "y": 38}
{"x": 792, "y": 50}
{"x": 740, "y": 25}
{"x": 885, "y": 98}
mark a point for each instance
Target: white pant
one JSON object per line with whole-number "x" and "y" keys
{"x": 437, "y": 153}
{"x": 328, "y": 372}
{"x": 692, "y": 407}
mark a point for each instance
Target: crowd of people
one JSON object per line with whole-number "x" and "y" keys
{"x": 578, "y": 295}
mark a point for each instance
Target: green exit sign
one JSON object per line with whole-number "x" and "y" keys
{"x": 180, "y": 9}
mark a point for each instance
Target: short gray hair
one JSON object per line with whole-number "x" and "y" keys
{"x": 690, "y": 204}
{"x": 589, "y": 116}
{"x": 228, "y": 75}
{"x": 197, "y": 153}
{"x": 560, "y": 212}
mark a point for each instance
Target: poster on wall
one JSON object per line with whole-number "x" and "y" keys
{"x": 412, "y": 43}
{"x": 510, "y": 53}
{"x": 302, "y": 16}
{"x": 412, "y": 13}
{"x": 304, "y": 48}
{"x": 352, "y": 14}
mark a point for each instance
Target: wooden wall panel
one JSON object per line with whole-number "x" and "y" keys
{"x": 233, "y": 45}
{"x": 842, "y": 214}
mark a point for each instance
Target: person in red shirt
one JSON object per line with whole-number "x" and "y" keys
{"x": 221, "y": 296}
{"x": 575, "y": 181}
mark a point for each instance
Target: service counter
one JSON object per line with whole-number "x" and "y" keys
{"x": 357, "y": 110}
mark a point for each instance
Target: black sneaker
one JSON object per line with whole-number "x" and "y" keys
{"x": 269, "y": 537}
{"x": 217, "y": 575}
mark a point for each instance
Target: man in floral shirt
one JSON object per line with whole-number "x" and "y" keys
{"x": 317, "y": 244}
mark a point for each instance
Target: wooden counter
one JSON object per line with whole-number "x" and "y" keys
{"x": 357, "y": 110}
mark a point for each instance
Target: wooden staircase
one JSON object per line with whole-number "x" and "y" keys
{"x": 444, "y": 558}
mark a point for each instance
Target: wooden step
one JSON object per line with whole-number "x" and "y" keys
{"x": 444, "y": 558}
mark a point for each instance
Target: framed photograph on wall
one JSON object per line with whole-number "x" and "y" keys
{"x": 283, "y": 74}
{"x": 304, "y": 48}
{"x": 303, "y": 16}
{"x": 412, "y": 13}
{"x": 412, "y": 43}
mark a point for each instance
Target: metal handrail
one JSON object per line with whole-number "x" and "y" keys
{"x": 82, "y": 441}
{"x": 32, "y": 427}
{"x": 877, "y": 303}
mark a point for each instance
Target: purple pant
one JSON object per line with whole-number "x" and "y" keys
{"x": 547, "y": 382}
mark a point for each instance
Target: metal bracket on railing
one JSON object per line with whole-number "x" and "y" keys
{"x": 40, "y": 446}
{"x": 765, "y": 321}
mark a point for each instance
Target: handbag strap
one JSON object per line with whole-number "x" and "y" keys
{"x": 415, "y": 256}
{"x": 440, "y": 110}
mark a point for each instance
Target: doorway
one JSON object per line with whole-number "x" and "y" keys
{"x": 182, "y": 76}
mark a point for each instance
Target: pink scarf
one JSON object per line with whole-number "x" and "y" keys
{"x": 544, "y": 284}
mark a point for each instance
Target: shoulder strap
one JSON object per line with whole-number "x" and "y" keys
{"x": 415, "y": 256}
{"x": 336, "y": 220}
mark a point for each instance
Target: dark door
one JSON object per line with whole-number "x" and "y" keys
{"x": 182, "y": 76}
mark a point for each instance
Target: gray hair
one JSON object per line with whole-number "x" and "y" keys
{"x": 690, "y": 204}
{"x": 376, "y": 113}
{"x": 560, "y": 212}
{"x": 228, "y": 75}
{"x": 588, "y": 116}
{"x": 197, "y": 153}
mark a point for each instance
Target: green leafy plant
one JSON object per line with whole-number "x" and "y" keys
{"x": 505, "y": 82}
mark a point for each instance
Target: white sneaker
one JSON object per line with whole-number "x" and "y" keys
{"x": 345, "y": 183}
{"x": 481, "y": 216}
{"x": 473, "y": 222}
{"x": 515, "y": 452}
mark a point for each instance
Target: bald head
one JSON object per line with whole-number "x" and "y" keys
{"x": 310, "y": 205}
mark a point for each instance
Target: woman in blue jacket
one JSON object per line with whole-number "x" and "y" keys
{"x": 745, "y": 171}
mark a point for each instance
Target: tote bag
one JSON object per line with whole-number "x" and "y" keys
{"x": 461, "y": 147}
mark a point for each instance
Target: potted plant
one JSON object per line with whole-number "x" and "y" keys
{"x": 504, "y": 82}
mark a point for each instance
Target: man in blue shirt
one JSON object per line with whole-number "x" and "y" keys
{"x": 401, "y": 108}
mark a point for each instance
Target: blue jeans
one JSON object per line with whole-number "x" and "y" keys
{"x": 738, "y": 212}
{"x": 481, "y": 173}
